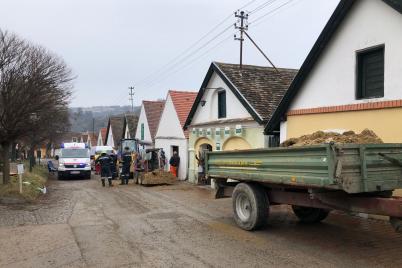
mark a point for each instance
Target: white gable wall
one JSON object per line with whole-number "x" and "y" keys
{"x": 100, "y": 139}
{"x": 110, "y": 140}
{"x": 127, "y": 133}
{"x": 234, "y": 108}
{"x": 170, "y": 133}
{"x": 166, "y": 145}
{"x": 333, "y": 80}
{"x": 169, "y": 125}
{"x": 143, "y": 120}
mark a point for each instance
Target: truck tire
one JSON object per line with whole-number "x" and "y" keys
{"x": 396, "y": 224}
{"x": 250, "y": 206}
{"x": 309, "y": 214}
{"x": 59, "y": 175}
{"x": 88, "y": 175}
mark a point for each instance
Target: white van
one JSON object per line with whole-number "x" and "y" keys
{"x": 97, "y": 151}
{"x": 74, "y": 161}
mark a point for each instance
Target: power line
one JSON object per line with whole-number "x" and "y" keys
{"x": 189, "y": 64}
{"x": 173, "y": 69}
{"x": 246, "y": 5}
{"x": 186, "y": 58}
{"x": 152, "y": 74}
{"x": 270, "y": 12}
{"x": 185, "y": 51}
{"x": 258, "y": 8}
{"x": 194, "y": 52}
{"x": 273, "y": 13}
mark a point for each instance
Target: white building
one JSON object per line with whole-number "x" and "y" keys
{"x": 232, "y": 107}
{"x": 352, "y": 78}
{"x": 101, "y": 136}
{"x": 148, "y": 121}
{"x": 170, "y": 135}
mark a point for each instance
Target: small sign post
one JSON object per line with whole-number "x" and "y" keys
{"x": 20, "y": 171}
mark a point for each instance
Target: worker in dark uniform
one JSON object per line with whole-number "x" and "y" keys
{"x": 113, "y": 166}
{"x": 105, "y": 162}
{"x": 126, "y": 164}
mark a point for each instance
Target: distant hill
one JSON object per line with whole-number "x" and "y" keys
{"x": 87, "y": 118}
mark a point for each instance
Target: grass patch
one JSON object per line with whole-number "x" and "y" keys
{"x": 30, "y": 192}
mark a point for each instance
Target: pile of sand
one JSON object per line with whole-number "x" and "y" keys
{"x": 158, "y": 177}
{"x": 365, "y": 137}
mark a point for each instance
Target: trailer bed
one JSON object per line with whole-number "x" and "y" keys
{"x": 353, "y": 168}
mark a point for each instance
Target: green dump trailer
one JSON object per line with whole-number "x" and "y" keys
{"x": 313, "y": 179}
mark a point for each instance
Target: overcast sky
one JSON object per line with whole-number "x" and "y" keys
{"x": 114, "y": 44}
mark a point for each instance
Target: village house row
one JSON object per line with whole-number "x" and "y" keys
{"x": 350, "y": 80}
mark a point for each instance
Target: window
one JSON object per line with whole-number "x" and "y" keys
{"x": 142, "y": 131}
{"x": 218, "y": 146}
{"x": 221, "y": 104}
{"x": 370, "y": 73}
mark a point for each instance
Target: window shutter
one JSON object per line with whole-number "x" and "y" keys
{"x": 142, "y": 131}
{"x": 222, "y": 104}
{"x": 371, "y": 74}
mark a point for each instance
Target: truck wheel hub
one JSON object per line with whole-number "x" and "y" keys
{"x": 243, "y": 207}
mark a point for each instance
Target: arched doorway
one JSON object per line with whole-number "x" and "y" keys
{"x": 236, "y": 143}
{"x": 202, "y": 146}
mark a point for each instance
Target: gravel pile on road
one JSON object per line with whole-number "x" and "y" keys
{"x": 367, "y": 136}
{"x": 158, "y": 177}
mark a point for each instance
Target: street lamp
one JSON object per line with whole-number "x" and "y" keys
{"x": 203, "y": 102}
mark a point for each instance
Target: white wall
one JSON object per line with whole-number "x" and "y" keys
{"x": 166, "y": 145}
{"x": 169, "y": 125}
{"x": 234, "y": 109}
{"x": 283, "y": 131}
{"x": 127, "y": 133}
{"x": 170, "y": 133}
{"x": 110, "y": 141}
{"x": 100, "y": 139}
{"x": 147, "y": 133}
{"x": 332, "y": 82}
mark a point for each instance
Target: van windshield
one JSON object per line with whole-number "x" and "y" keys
{"x": 132, "y": 144}
{"x": 74, "y": 153}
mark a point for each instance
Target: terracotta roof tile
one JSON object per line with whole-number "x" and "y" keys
{"x": 103, "y": 132}
{"x": 153, "y": 111}
{"x": 183, "y": 101}
{"x": 116, "y": 123}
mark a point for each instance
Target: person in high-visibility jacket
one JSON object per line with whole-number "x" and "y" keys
{"x": 174, "y": 164}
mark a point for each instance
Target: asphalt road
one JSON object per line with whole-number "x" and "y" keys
{"x": 81, "y": 224}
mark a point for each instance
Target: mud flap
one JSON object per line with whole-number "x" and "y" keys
{"x": 224, "y": 189}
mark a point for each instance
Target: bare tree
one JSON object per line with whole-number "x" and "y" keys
{"x": 49, "y": 127}
{"x": 33, "y": 84}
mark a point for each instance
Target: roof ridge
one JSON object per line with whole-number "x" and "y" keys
{"x": 182, "y": 91}
{"x": 153, "y": 101}
{"x": 257, "y": 66}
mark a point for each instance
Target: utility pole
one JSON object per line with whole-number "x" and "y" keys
{"x": 242, "y": 19}
{"x": 131, "y": 98}
{"x": 242, "y": 28}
